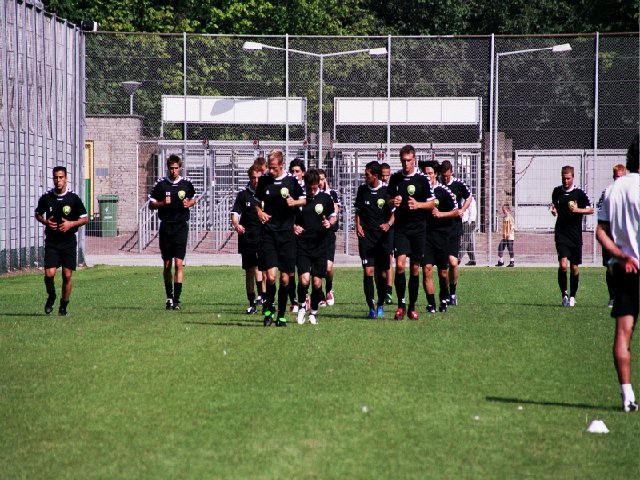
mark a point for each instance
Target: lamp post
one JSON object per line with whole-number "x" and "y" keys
{"x": 130, "y": 89}
{"x": 565, "y": 47}
{"x": 321, "y": 57}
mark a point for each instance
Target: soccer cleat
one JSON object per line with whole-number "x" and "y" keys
{"x": 251, "y": 309}
{"x": 302, "y": 312}
{"x": 387, "y": 299}
{"x": 511, "y": 264}
{"x": 471, "y": 263}
{"x": 500, "y": 263}
{"x": 313, "y": 318}
{"x": 380, "y": 312}
{"x": 322, "y": 303}
{"x": 281, "y": 322}
{"x": 565, "y": 301}
{"x": 629, "y": 407}
{"x": 572, "y": 301}
{"x": 268, "y": 318}
{"x": 413, "y": 315}
{"x": 330, "y": 299}
{"x": 610, "y": 304}
{"x": 48, "y": 306}
{"x": 399, "y": 314}
{"x": 294, "y": 308}
{"x": 62, "y": 311}
{"x": 176, "y": 304}
{"x": 169, "y": 304}
{"x": 372, "y": 314}
{"x": 443, "y": 306}
{"x": 431, "y": 309}
{"x": 453, "y": 300}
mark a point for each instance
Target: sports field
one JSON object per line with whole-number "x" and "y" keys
{"x": 502, "y": 386}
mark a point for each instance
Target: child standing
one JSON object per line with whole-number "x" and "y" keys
{"x": 508, "y": 235}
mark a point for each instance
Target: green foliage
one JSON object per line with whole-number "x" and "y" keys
{"x": 502, "y": 386}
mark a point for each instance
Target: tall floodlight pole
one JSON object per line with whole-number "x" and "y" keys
{"x": 321, "y": 57}
{"x": 565, "y": 47}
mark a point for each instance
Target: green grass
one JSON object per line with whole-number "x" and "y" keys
{"x": 502, "y": 386}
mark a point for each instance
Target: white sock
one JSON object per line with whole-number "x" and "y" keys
{"x": 500, "y": 260}
{"x": 627, "y": 393}
{"x": 513, "y": 260}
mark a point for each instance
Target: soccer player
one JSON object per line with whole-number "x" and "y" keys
{"x": 410, "y": 193}
{"x": 261, "y": 164}
{"x": 374, "y": 220}
{"x": 61, "y": 212}
{"x": 618, "y": 232}
{"x": 278, "y": 194}
{"x": 297, "y": 168}
{"x": 440, "y": 221}
{"x": 331, "y": 239}
{"x": 463, "y": 199}
{"x": 246, "y": 223}
{"x": 384, "y": 178}
{"x": 619, "y": 170}
{"x": 313, "y": 223}
{"x": 569, "y": 204}
{"x": 173, "y": 196}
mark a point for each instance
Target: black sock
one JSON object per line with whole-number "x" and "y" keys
{"x": 401, "y": 287}
{"x": 562, "y": 281}
{"x": 177, "y": 291}
{"x": 389, "y": 288}
{"x": 259, "y": 289}
{"x": 381, "y": 286}
{"x": 574, "y": 280}
{"x": 609, "y": 278}
{"x": 251, "y": 297}
{"x": 329, "y": 283}
{"x": 283, "y": 293}
{"x": 64, "y": 303}
{"x": 302, "y": 293}
{"x": 316, "y": 297}
{"x": 431, "y": 299}
{"x": 414, "y": 286}
{"x": 444, "y": 289}
{"x": 368, "y": 290}
{"x": 452, "y": 288}
{"x": 168, "y": 289}
{"x": 291, "y": 290}
{"x": 270, "y": 295}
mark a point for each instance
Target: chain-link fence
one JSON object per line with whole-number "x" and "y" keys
{"x": 537, "y": 110}
{"x": 41, "y": 112}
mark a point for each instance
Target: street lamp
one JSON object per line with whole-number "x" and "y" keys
{"x": 565, "y": 47}
{"x": 321, "y": 56}
{"x": 130, "y": 89}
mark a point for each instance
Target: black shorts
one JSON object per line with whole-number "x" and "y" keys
{"x": 61, "y": 255}
{"x": 248, "y": 244}
{"x": 311, "y": 258}
{"x": 455, "y": 239}
{"x": 249, "y": 260}
{"x": 375, "y": 251}
{"x": 331, "y": 246}
{"x": 277, "y": 249}
{"x": 173, "y": 240}
{"x": 626, "y": 294}
{"x": 436, "y": 250}
{"x": 570, "y": 251}
{"x": 410, "y": 243}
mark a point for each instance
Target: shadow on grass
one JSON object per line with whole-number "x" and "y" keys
{"x": 543, "y": 403}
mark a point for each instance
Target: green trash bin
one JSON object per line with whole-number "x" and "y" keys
{"x": 108, "y": 215}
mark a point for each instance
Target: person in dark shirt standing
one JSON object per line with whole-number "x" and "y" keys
{"x": 463, "y": 200}
{"x": 331, "y": 239}
{"x": 569, "y": 204}
{"x": 440, "y": 222}
{"x": 410, "y": 193}
{"x": 173, "y": 196}
{"x": 278, "y": 194}
{"x": 312, "y": 226}
{"x": 61, "y": 212}
{"x": 246, "y": 223}
{"x": 374, "y": 220}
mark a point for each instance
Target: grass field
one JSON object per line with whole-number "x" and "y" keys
{"x": 502, "y": 386}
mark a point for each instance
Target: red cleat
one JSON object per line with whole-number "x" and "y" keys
{"x": 399, "y": 314}
{"x": 413, "y": 315}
